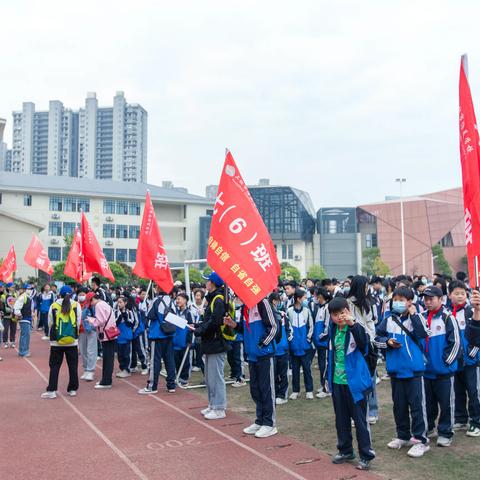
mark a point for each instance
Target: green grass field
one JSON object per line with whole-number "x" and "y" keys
{"x": 312, "y": 422}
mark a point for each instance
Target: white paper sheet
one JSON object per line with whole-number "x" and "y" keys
{"x": 176, "y": 320}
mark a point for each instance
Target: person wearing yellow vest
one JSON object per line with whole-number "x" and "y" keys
{"x": 64, "y": 317}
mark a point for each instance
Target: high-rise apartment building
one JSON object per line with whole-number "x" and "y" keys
{"x": 107, "y": 143}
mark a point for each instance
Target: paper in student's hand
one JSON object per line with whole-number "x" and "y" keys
{"x": 176, "y": 320}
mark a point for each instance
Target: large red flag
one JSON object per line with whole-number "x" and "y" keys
{"x": 8, "y": 266}
{"x": 152, "y": 261}
{"x": 36, "y": 256}
{"x": 470, "y": 157}
{"x": 240, "y": 249}
{"x": 93, "y": 257}
{"x": 74, "y": 266}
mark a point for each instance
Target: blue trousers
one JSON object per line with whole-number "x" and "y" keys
{"x": 439, "y": 394}
{"x": 24, "y": 342}
{"x": 322, "y": 366}
{"x": 304, "y": 361}
{"x": 234, "y": 358}
{"x": 467, "y": 382}
{"x": 124, "y": 354}
{"x": 161, "y": 348}
{"x": 262, "y": 390}
{"x": 281, "y": 375}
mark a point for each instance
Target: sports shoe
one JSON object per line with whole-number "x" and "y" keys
{"x": 145, "y": 371}
{"x": 309, "y": 396}
{"x": 147, "y": 391}
{"x": 196, "y": 369}
{"x": 418, "y": 450}
{"x": 5, "y": 345}
{"x": 72, "y": 393}
{"x": 459, "y": 426}
{"x": 444, "y": 441}
{"x": 363, "y": 464}
{"x": 134, "y": 370}
{"x": 45, "y": 338}
{"x": 12, "y": 344}
{"x": 378, "y": 380}
{"x": 171, "y": 390}
{"x": 432, "y": 433}
{"x": 239, "y": 383}
{"x": 163, "y": 372}
{"x": 323, "y": 394}
{"x": 205, "y": 411}
{"x": 372, "y": 420}
{"x": 342, "y": 458}
{"x": 99, "y": 386}
{"x": 252, "y": 429}
{"x": 49, "y": 395}
{"x": 122, "y": 374}
{"x": 89, "y": 376}
{"x": 83, "y": 376}
{"x": 473, "y": 431}
{"x": 280, "y": 401}
{"x": 294, "y": 396}
{"x": 266, "y": 431}
{"x": 215, "y": 415}
{"x": 398, "y": 443}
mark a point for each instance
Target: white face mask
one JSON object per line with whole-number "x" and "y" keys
{"x": 81, "y": 298}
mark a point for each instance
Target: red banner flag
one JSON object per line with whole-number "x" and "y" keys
{"x": 470, "y": 157}
{"x": 8, "y": 266}
{"x": 36, "y": 256}
{"x": 152, "y": 261}
{"x": 240, "y": 249}
{"x": 74, "y": 267}
{"x": 93, "y": 257}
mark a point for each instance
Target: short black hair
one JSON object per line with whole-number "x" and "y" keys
{"x": 292, "y": 283}
{"x": 462, "y": 276}
{"x": 338, "y": 304}
{"x": 376, "y": 279}
{"x": 404, "y": 292}
{"x": 274, "y": 296}
{"x": 456, "y": 284}
{"x": 96, "y": 281}
{"x": 323, "y": 292}
{"x": 299, "y": 293}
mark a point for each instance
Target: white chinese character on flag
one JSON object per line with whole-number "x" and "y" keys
{"x": 262, "y": 257}
{"x": 161, "y": 261}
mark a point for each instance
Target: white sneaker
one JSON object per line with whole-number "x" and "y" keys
{"x": 444, "y": 441}
{"x": 205, "y": 411}
{"x": 133, "y": 370}
{"x": 309, "y": 396}
{"x": 163, "y": 372}
{"x": 145, "y": 371}
{"x": 323, "y": 394}
{"x": 294, "y": 396}
{"x": 196, "y": 369}
{"x": 459, "y": 426}
{"x": 281, "y": 401}
{"x": 146, "y": 391}
{"x": 83, "y": 376}
{"x": 432, "y": 433}
{"x": 265, "y": 432}
{"x": 89, "y": 376}
{"x": 215, "y": 415}
{"x": 5, "y": 345}
{"x": 12, "y": 345}
{"x": 99, "y": 386}
{"x": 239, "y": 383}
{"x": 49, "y": 395}
{"x": 252, "y": 429}
{"x": 473, "y": 431}
{"x": 72, "y": 393}
{"x": 418, "y": 450}
{"x": 372, "y": 420}
{"x": 398, "y": 443}
{"x": 45, "y": 338}
{"x": 122, "y": 374}
{"x": 378, "y": 380}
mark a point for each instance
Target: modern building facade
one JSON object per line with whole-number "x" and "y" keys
{"x": 114, "y": 209}
{"x": 3, "y": 145}
{"x": 107, "y": 143}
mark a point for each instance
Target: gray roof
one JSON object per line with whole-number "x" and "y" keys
{"x": 94, "y": 188}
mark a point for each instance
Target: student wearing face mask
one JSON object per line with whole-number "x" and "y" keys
{"x": 402, "y": 334}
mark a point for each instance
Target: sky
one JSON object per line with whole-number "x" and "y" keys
{"x": 337, "y": 98}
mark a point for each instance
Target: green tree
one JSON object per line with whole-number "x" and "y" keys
{"x": 316, "y": 272}
{"x": 289, "y": 272}
{"x": 194, "y": 274}
{"x": 58, "y": 274}
{"x": 380, "y": 268}
{"x": 369, "y": 255}
{"x": 121, "y": 276}
{"x": 440, "y": 262}
{"x": 207, "y": 270}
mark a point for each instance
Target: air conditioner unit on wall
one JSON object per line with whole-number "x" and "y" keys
{"x": 108, "y": 243}
{"x": 55, "y": 216}
{"x": 109, "y": 219}
{"x": 54, "y": 241}
{"x": 297, "y": 258}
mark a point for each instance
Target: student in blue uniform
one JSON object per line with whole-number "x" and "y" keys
{"x": 182, "y": 339}
{"x": 321, "y": 317}
{"x": 466, "y": 377}
{"x": 402, "y": 334}
{"x": 43, "y": 303}
{"x": 126, "y": 323}
{"x": 139, "y": 352}
{"x": 443, "y": 346}
{"x": 350, "y": 383}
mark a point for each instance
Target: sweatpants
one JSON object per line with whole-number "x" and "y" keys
{"x": 185, "y": 373}
{"x": 124, "y": 355}
{"x": 281, "y": 375}
{"x": 467, "y": 383}
{"x": 161, "y": 348}
{"x": 10, "y": 331}
{"x": 24, "y": 341}
{"x": 139, "y": 351}
{"x": 87, "y": 342}
{"x": 108, "y": 358}
{"x": 409, "y": 409}
{"x": 440, "y": 396}
{"x": 262, "y": 390}
{"x": 322, "y": 366}
{"x": 43, "y": 322}
{"x": 234, "y": 358}
{"x": 304, "y": 361}
{"x": 216, "y": 389}
{"x": 346, "y": 409}
{"x": 55, "y": 362}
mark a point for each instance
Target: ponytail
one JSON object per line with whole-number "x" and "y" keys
{"x": 66, "y": 304}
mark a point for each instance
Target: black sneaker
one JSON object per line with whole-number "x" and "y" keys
{"x": 343, "y": 457}
{"x": 363, "y": 465}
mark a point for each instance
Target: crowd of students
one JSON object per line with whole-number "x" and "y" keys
{"x": 426, "y": 330}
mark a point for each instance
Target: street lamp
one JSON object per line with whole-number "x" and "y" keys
{"x": 401, "y": 181}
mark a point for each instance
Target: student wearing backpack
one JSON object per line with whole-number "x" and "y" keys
{"x": 87, "y": 339}
{"x": 23, "y": 310}
{"x": 126, "y": 323}
{"x": 63, "y": 320}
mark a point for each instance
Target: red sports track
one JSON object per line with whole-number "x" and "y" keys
{"x": 118, "y": 434}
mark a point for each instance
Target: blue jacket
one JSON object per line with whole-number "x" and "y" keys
{"x": 320, "y": 329}
{"x": 471, "y": 353}
{"x": 44, "y": 304}
{"x": 281, "y": 347}
{"x": 156, "y": 316}
{"x": 140, "y": 323}
{"x": 239, "y": 317}
{"x": 126, "y": 323}
{"x": 259, "y": 331}
{"x": 407, "y": 361}
{"x": 302, "y": 326}
{"x": 443, "y": 345}
{"x": 88, "y": 312}
{"x": 183, "y": 336}
{"x": 356, "y": 347}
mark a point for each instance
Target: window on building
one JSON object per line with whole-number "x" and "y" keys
{"x": 290, "y": 251}
{"x": 69, "y": 204}
{"x": 184, "y": 211}
{"x": 55, "y": 204}
{"x": 121, "y": 254}
{"x": 210, "y": 212}
{"x": 109, "y": 254}
{"x": 68, "y": 228}
{"x": 284, "y": 251}
{"x": 109, "y": 206}
{"x": 134, "y": 208}
{"x": 122, "y": 231}
{"x": 55, "y": 229}
{"x": 374, "y": 240}
{"x": 371, "y": 240}
{"x": 134, "y": 231}
{"x": 132, "y": 255}
{"x": 0, "y": 198}
{"x": 83, "y": 205}
{"x": 54, "y": 254}
{"x": 108, "y": 230}
{"x": 121, "y": 207}
{"x": 27, "y": 200}
{"x": 447, "y": 240}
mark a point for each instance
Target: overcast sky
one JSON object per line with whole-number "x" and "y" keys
{"x": 336, "y": 98}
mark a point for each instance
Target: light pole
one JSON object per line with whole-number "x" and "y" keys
{"x": 401, "y": 181}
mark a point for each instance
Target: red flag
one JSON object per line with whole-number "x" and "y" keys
{"x": 36, "y": 256}
{"x": 240, "y": 249}
{"x": 470, "y": 156}
{"x": 8, "y": 266}
{"x": 93, "y": 257}
{"x": 74, "y": 267}
{"x": 152, "y": 261}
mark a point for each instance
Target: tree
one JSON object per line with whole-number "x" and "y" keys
{"x": 58, "y": 274}
{"x": 380, "y": 268}
{"x": 289, "y": 272}
{"x": 121, "y": 276}
{"x": 207, "y": 270}
{"x": 441, "y": 264}
{"x": 369, "y": 255}
{"x": 316, "y": 272}
{"x": 194, "y": 274}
